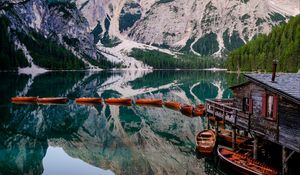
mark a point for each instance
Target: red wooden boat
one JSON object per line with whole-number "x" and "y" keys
{"x": 24, "y": 100}
{"x": 118, "y": 101}
{"x": 151, "y": 102}
{"x": 245, "y": 164}
{"x": 173, "y": 105}
{"x": 201, "y": 106}
{"x": 226, "y": 135}
{"x": 205, "y": 141}
{"x": 187, "y": 110}
{"x": 88, "y": 100}
{"x": 213, "y": 119}
{"x": 246, "y": 147}
{"x": 198, "y": 112}
{"x": 52, "y": 100}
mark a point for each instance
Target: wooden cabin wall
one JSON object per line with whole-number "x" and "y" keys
{"x": 289, "y": 124}
{"x": 258, "y": 122}
{"x": 239, "y": 93}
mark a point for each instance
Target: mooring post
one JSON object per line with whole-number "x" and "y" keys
{"x": 233, "y": 137}
{"x": 217, "y": 127}
{"x": 207, "y": 121}
{"x": 284, "y": 162}
{"x": 255, "y": 144}
{"x": 234, "y": 130}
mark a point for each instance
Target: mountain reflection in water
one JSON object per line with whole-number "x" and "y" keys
{"x": 103, "y": 138}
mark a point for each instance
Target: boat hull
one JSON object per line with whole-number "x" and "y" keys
{"x": 52, "y": 100}
{"x": 198, "y": 112}
{"x": 227, "y": 137}
{"x": 173, "y": 105}
{"x": 149, "y": 102}
{"x": 24, "y": 100}
{"x": 187, "y": 110}
{"x": 118, "y": 101}
{"x": 244, "y": 164}
{"x": 88, "y": 100}
{"x": 205, "y": 141}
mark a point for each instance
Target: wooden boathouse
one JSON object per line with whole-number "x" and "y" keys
{"x": 267, "y": 107}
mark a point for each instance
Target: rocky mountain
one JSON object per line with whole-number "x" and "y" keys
{"x": 204, "y": 27}
{"x": 30, "y": 21}
{"x": 102, "y": 33}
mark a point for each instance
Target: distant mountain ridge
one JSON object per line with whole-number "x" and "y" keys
{"x": 102, "y": 33}
{"x": 203, "y": 27}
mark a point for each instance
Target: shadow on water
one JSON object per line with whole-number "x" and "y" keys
{"x": 125, "y": 139}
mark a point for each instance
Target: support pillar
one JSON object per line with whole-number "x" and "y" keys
{"x": 207, "y": 121}
{"x": 255, "y": 145}
{"x": 217, "y": 127}
{"x": 284, "y": 163}
{"x": 285, "y": 157}
{"x": 233, "y": 137}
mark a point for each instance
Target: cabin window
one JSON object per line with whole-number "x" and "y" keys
{"x": 245, "y": 104}
{"x": 270, "y": 106}
{"x": 270, "y": 103}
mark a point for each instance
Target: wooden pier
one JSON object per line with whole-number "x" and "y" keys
{"x": 265, "y": 108}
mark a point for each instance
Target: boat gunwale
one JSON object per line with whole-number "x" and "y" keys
{"x": 238, "y": 165}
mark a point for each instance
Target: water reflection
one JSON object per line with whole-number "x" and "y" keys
{"x": 122, "y": 139}
{"x": 68, "y": 165}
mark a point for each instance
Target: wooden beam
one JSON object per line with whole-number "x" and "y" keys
{"x": 284, "y": 163}
{"x": 289, "y": 156}
{"x": 255, "y": 145}
{"x": 233, "y": 138}
{"x": 216, "y": 127}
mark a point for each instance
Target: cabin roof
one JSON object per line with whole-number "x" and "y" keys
{"x": 287, "y": 84}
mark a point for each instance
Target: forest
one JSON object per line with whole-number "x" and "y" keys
{"x": 282, "y": 44}
{"x": 160, "y": 60}
{"x": 10, "y": 57}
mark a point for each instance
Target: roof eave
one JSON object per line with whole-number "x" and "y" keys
{"x": 286, "y": 95}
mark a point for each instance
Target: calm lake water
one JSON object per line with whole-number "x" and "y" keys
{"x": 102, "y": 139}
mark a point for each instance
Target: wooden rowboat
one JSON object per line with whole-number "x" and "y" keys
{"x": 173, "y": 105}
{"x": 205, "y": 141}
{"x": 88, "y": 100}
{"x": 198, "y": 112}
{"x": 246, "y": 147}
{"x": 201, "y": 106}
{"x": 245, "y": 164}
{"x": 52, "y": 100}
{"x": 23, "y": 100}
{"x": 187, "y": 110}
{"x": 118, "y": 101}
{"x": 226, "y": 135}
{"x": 152, "y": 102}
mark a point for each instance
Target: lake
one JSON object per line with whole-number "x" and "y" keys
{"x": 105, "y": 139}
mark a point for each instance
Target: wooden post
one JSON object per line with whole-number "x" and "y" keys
{"x": 217, "y": 127}
{"x": 207, "y": 121}
{"x": 284, "y": 163}
{"x": 224, "y": 113}
{"x": 214, "y": 109}
{"x": 233, "y": 137}
{"x": 255, "y": 144}
{"x": 249, "y": 122}
{"x": 234, "y": 130}
{"x": 285, "y": 158}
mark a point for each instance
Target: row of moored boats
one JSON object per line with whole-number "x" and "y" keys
{"x": 240, "y": 157}
{"x": 186, "y": 109}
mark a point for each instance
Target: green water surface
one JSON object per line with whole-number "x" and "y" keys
{"x": 102, "y": 139}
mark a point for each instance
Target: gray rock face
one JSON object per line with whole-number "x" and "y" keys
{"x": 61, "y": 22}
{"x": 179, "y": 23}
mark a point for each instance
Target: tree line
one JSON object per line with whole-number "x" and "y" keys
{"x": 282, "y": 44}
{"x": 160, "y": 60}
